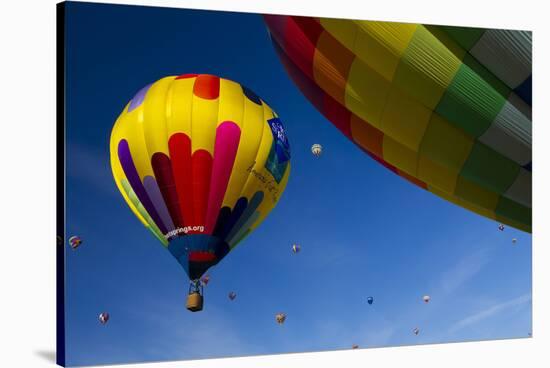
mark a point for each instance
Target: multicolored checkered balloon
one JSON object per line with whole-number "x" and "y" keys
{"x": 447, "y": 108}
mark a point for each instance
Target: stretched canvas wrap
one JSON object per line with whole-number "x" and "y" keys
{"x": 236, "y": 184}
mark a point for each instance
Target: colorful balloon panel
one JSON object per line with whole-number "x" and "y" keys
{"x": 201, "y": 161}
{"x": 447, "y": 108}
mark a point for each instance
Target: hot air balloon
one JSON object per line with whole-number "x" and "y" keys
{"x": 370, "y": 300}
{"x": 103, "y": 317}
{"x": 296, "y": 248}
{"x": 205, "y": 279}
{"x": 354, "y": 346}
{"x": 201, "y": 161}
{"x": 232, "y": 295}
{"x": 416, "y": 331}
{"x": 280, "y": 318}
{"x": 514, "y": 241}
{"x": 447, "y": 108}
{"x": 316, "y": 149}
{"x": 426, "y": 298}
{"x": 75, "y": 241}
{"x": 501, "y": 227}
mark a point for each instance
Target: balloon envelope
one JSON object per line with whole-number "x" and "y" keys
{"x": 103, "y": 318}
{"x": 75, "y": 241}
{"x": 316, "y": 149}
{"x": 201, "y": 161}
{"x": 447, "y": 108}
{"x": 280, "y": 318}
{"x": 370, "y": 300}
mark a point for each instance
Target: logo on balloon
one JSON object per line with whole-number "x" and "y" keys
{"x": 279, "y": 155}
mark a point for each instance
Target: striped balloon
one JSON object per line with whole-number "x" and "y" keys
{"x": 447, "y": 108}
{"x": 201, "y": 161}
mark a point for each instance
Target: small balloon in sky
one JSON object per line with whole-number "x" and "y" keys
{"x": 232, "y": 295}
{"x": 103, "y": 317}
{"x": 280, "y": 318}
{"x": 514, "y": 241}
{"x": 370, "y": 300}
{"x": 296, "y": 248}
{"x": 205, "y": 279}
{"x": 501, "y": 227}
{"x": 426, "y": 298}
{"x": 316, "y": 149}
{"x": 416, "y": 331}
{"x": 75, "y": 241}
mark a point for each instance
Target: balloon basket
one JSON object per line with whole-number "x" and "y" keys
{"x": 194, "y": 302}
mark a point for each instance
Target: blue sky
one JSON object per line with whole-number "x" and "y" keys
{"x": 363, "y": 230}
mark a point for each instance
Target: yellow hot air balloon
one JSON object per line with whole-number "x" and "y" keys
{"x": 201, "y": 161}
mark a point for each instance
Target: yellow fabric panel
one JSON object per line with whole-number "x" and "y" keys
{"x": 265, "y": 208}
{"x": 473, "y": 193}
{"x": 426, "y": 68}
{"x": 178, "y": 105}
{"x": 131, "y": 129}
{"x": 366, "y": 93}
{"x": 399, "y": 156}
{"x": 232, "y": 100}
{"x": 463, "y": 203}
{"x": 436, "y": 175}
{"x": 404, "y": 119}
{"x": 204, "y": 120}
{"x": 252, "y": 126}
{"x": 154, "y": 117}
{"x": 341, "y": 29}
{"x": 257, "y": 173}
{"x": 446, "y": 144}
{"x": 116, "y": 168}
{"x": 381, "y": 44}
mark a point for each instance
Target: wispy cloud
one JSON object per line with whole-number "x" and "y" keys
{"x": 91, "y": 166}
{"x": 214, "y": 336}
{"x": 464, "y": 270}
{"x": 489, "y": 312}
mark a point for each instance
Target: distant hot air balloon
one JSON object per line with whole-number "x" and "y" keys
{"x": 316, "y": 149}
{"x": 447, "y": 108}
{"x": 205, "y": 279}
{"x": 232, "y": 295}
{"x": 514, "y": 241}
{"x": 103, "y": 317}
{"x": 416, "y": 331}
{"x": 296, "y": 248}
{"x": 354, "y": 346}
{"x": 75, "y": 241}
{"x": 501, "y": 227}
{"x": 201, "y": 161}
{"x": 280, "y": 318}
{"x": 370, "y": 300}
{"x": 426, "y": 298}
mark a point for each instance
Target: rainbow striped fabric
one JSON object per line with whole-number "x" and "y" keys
{"x": 447, "y": 108}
